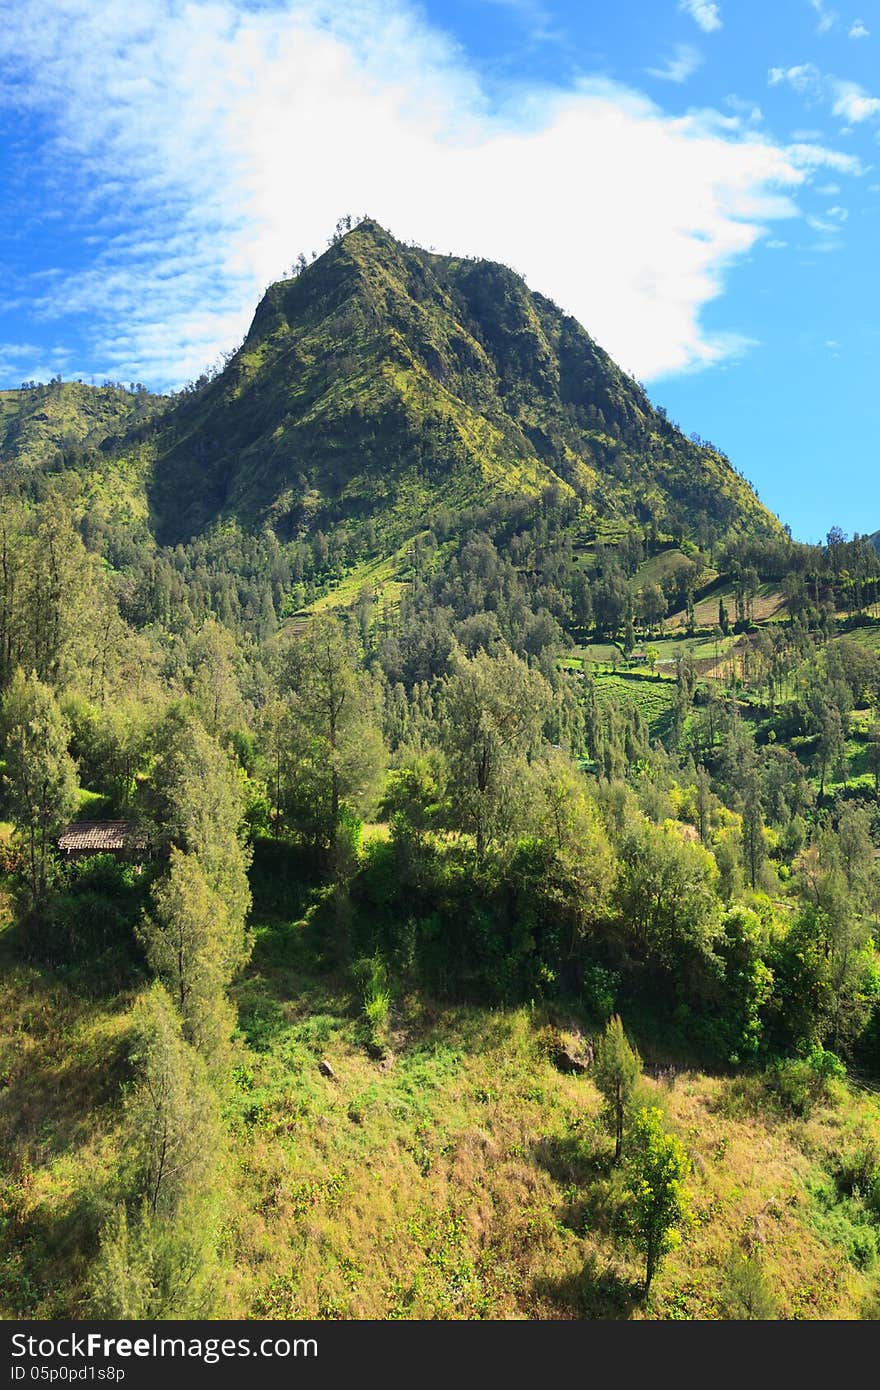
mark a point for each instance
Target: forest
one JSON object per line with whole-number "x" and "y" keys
{"x": 494, "y": 928}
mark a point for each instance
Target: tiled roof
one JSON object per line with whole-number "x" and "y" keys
{"x": 101, "y": 835}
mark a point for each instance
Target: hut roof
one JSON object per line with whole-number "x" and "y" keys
{"x": 101, "y": 836}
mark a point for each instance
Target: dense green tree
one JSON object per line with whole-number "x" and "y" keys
{"x": 747, "y": 1296}
{"x": 667, "y": 902}
{"x": 336, "y": 751}
{"x": 157, "y": 1251}
{"x": 747, "y": 985}
{"x": 215, "y": 688}
{"x": 493, "y": 709}
{"x": 199, "y": 801}
{"x": 171, "y": 1111}
{"x": 616, "y": 1071}
{"x": 150, "y": 1268}
{"x": 196, "y": 947}
{"x": 611, "y": 601}
{"x": 657, "y": 1168}
{"x": 111, "y": 744}
{"x": 754, "y": 844}
{"x": 652, "y": 606}
{"x": 40, "y": 775}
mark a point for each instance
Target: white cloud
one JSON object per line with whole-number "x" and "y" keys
{"x": 818, "y": 224}
{"x": 853, "y": 103}
{"x": 803, "y": 77}
{"x": 859, "y": 30}
{"x": 706, "y": 13}
{"x": 29, "y": 362}
{"x": 680, "y": 66}
{"x": 232, "y": 137}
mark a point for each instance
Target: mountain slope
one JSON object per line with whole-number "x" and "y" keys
{"x": 385, "y": 380}
{"x": 38, "y": 421}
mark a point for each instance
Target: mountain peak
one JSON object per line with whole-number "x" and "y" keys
{"x": 384, "y": 381}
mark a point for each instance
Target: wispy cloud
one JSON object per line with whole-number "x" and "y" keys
{"x": 848, "y": 100}
{"x": 747, "y": 109}
{"x": 803, "y": 77}
{"x": 706, "y": 13}
{"x": 30, "y": 362}
{"x": 809, "y": 156}
{"x": 859, "y": 30}
{"x": 232, "y": 136}
{"x": 682, "y": 64}
{"x": 826, "y": 18}
{"x": 533, "y": 16}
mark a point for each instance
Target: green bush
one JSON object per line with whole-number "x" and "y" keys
{"x": 857, "y": 1174}
{"x": 372, "y": 976}
{"x": 800, "y": 1083}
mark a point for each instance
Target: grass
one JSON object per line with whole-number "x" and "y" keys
{"x": 381, "y": 577}
{"x": 461, "y": 1177}
{"x": 701, "y": 646}
{"x": 595, "y": 653}
{"x": 768, "y": 605}
{"x": 61, "y": 1071}
{"x": 471, "y": 1179}
{"x": 657, "y": 568}
{"x": 92, "y": 805}
{"x": 654, "y": 696}
{"x": 375, "y": 575}
{"x": 868, "y": 637}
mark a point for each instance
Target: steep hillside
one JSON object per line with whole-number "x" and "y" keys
{"x": 385, "y": 380}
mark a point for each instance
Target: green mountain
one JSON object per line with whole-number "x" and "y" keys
{"x": 382, "y": 384}
{"x": 36, "y": 422}
{"x": 384, "y": 381}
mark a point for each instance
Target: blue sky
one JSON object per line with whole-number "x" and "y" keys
{"x": 698, "y": 181}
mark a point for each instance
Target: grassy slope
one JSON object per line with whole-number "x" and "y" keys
{"x": 468, "y": 1179}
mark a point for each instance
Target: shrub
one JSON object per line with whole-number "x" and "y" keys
{"x": 372, "y": 977}
{"x": 800, "y": 1083}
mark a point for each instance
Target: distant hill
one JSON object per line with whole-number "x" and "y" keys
{"x": 38, "y": 421}
{"x": 875, "y": 540}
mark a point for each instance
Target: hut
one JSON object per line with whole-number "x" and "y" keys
{"x": 124, "y": 839}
